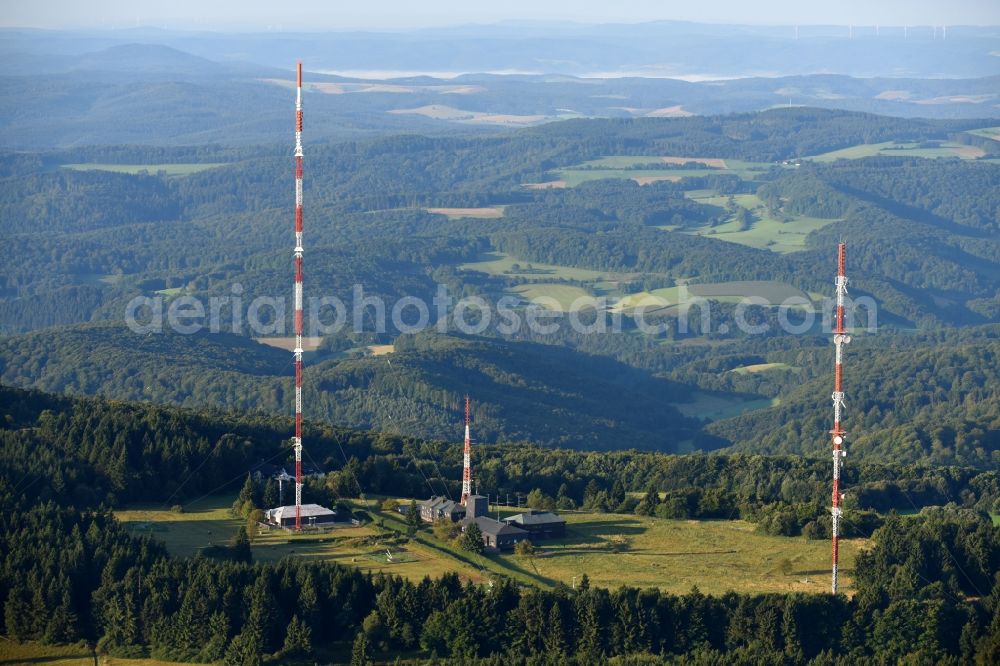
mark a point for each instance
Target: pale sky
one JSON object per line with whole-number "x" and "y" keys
{"x": 404, "y": 14}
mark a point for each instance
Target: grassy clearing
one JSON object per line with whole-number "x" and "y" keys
{"x": 380, "y": 350}
{"x": 203, "y": 523}
{"x": 627, "y": 161}
{"x": 120, "y": 661}
{"x": 718, "y": 406}
{"x": 713, "y": 198}
{"x": 722, "y": 292}
{"x": 617, "y": 166}
{"x": 766, "y": 232}
{"x": 208, "y": 522}
{"x": 310, "y": 343}
{"x": 852, "y": 152}
{"x": 988, "y": 132}
{"x": 764, "y": 367}
{"x": 68, "y": 655}
{"x": 133, "y": 169}
{"x": 612, "y": 549}
{"x": 674, "y": 556}
{"x": 490, "y": 213}
{"x": 501, "y": 264}
{"x": 360, "y": 547}
{"x": 51, "y": 655}
{"x": 98, "y": 279}
{"x": 944, "y": 149}
{"x": 449, "y": 113}
{"x": 547, "y": 185}
{"x": 556, "y": 297}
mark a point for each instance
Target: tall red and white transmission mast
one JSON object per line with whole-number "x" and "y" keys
{"x": 298, "y": 301}
{"x": 840, "y": 338}
{"x": 467, "y": 458}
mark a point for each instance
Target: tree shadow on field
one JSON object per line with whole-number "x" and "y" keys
{"x": 820, "y": 572}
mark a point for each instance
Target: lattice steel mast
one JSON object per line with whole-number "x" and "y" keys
{"x": 840, "y": 338}
{"x": 298, "y": 300}
{"x": 467, "y": 459}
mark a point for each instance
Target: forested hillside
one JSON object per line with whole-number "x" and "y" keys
{"x": 79, "y": 574}
{"x": 737, "y": 206}
{"x": 85, "y": 451}
{"x": 935, "y": 402}
{"x": 364, "y": 197}
{"x": 524, "y": 391}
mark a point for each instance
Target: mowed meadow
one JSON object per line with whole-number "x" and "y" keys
{"x": 79, "y": 654}
{"x": 611, "y": 549}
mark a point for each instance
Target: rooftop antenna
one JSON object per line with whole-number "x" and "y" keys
{"x": 297, "y": 254}
{"x": 840, "y": 338}
{"x": 467, "y": 459}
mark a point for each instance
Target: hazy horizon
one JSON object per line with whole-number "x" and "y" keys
{"x": 313, "y": 15}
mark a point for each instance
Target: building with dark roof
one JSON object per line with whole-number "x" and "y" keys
{"x": 540, "y": 524}
{"x": 497, "y": 535}
{"x": 476, "y": 505}
{"x": 441, "y": 508}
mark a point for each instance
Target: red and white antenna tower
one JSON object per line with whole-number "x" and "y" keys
{"x": 467, "y": 458}
{"x": 298, "y": 301}
{"x": 840, "y": 338}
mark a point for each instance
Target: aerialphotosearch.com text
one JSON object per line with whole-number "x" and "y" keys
{"x": 474, "y": 315}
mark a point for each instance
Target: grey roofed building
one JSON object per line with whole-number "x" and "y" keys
{"x": 311, "y": 514}
{"x": 541, "y": 524}
{"x": 496, "y": 535}
{"x": 441, "y": 508}
{"x": 475, "y": 506}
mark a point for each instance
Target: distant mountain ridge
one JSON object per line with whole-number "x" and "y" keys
{"x": 156, "y": 94}
{"x": 663, "y": 48}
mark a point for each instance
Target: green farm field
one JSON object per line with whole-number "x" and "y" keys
{"x": 168, "y": 169}
{"x": 497, "y": 263}
{"x": 766, "y": 232}
{"x": 488, "y": 213}
{"x": 944, "y": 149}
{"x": 764, "y": 367}
{"x": 557, "y": 297}
{"x": 988, "y": 132}
{"x": 718, "y": 406}
{"x": 618, "y": 166}
{"x": 723, "y": 292}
